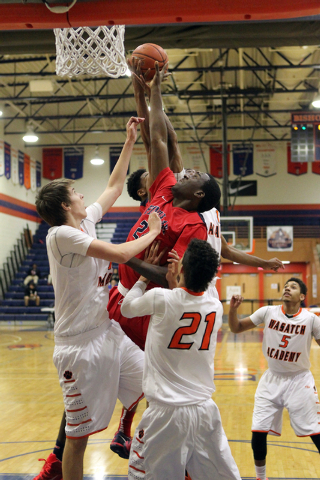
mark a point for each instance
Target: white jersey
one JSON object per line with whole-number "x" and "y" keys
{"x": 181, "y": 342}
{"x": 287, "y": 338}
{"x": 79, "y": 282}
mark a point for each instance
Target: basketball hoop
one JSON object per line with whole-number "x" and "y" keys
{"x": 82, "y": 51}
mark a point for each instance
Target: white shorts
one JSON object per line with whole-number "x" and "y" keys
{"x": 170, "y": 439}
{"x": 298, "y": 394}
{"x": 93, "y": 372}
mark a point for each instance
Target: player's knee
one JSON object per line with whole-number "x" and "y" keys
{"x": 316, "y": 441}
{"x": 259, "y": 445}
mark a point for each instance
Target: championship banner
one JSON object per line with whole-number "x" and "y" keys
{"x": 242, "y": 160}
{"x": 295, "y": 168}
{"x": 7, "y": 160}
{"x": 216, "y": 160}
{"x": 1, "y": 158}
{"x": 114, "y": 154}
{"x": 280, "y": 239}
{"x": 316, "y": 167}
{"x": 139, "y": 158}
{"x": 73, "y": 162}
{"x": 38, "y": 174}
{"x": 265, "y": 162}
{"x": 14, "y": 166}
{"x": 21, "y": 167}
{"x": 52, "y": 163}
{"x": 33, "y": 175}
{"x": 27, "y": 179}
{"x": 198, "y": 158}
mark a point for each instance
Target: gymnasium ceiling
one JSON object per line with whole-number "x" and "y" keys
{"x": 264, "y": 68}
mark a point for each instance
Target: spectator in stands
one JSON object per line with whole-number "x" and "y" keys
{"x": 32, "y": 274}
{"x": 30, "y": 293}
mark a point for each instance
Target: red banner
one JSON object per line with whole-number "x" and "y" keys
{"x": 216, "y": 160}
{"x": 52, "y": 163}
{"x": 316, "y": 167}
{"x": 295, "y": 168}
{"x": 27, "y": 176}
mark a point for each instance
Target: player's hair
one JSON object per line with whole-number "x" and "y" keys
{"x": 200, "y": 264}
{"x": 303, "y": 287}
{"x": 212, "y": 194}
{"x": 133, "y": 183}
{"x": 49, "y": 200}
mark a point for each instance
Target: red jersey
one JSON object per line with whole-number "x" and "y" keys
{"x": 178, "y": 225}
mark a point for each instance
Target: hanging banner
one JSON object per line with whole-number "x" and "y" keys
{"x": 198, "y": 158}
{"x": 73, "y": 162}
{"x": 139, "y": 158}
{"x": 33, "y": 175}
{"x": 7, "y": 160}
{"x": 216, "y": 160}
{"x": 52, "y": 163}
{"x": 1, "y": 158}
{"x": 14, "y": 166}
{"x": 265, "y": 162}
{"x": 280, "y": 239}
{"x": 242, "y": 160}
{"x": 38, "y": 174}
{"x": 114, "y": 154}
{"x": 21, "y": 167}
{"x": 27, "y": 180}
{"x": 295, "y": 168}
{"x": 316, "y": 167}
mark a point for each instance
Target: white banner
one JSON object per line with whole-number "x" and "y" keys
{"x": 1, "y": 158}
{"x": 138, "y": 158}
{"x": 265, "y": 162}
{"x": 14, "y": 166}
{"x": 33, "y": 176}
{"x": 280, "y": 239}
{"x": 195, "y": 157}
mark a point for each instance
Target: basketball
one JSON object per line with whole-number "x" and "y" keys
{"x": 149, "y": 53}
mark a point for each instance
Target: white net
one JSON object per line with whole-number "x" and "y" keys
{"x": 82, "y": 51}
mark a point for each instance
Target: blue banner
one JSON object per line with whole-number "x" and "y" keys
{"x": 114, "y": 154}
{"x": 73, "y": 162}
{"x": 21, "y": 167}
{"x": 38, "y": 174}
{"x": 7, "y": 160}
{"x": 243, "y": 160}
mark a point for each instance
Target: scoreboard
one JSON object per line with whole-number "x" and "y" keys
{"x": 305, "y": 137}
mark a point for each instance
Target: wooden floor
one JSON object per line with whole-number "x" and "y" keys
{"x": 31, "y": 409}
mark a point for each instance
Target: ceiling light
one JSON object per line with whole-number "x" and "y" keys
{"x": 30, "y": 136}
{"x": 97, "y": 160}
{"x": 316, "y": 101}
{"x": 285, "y": 262}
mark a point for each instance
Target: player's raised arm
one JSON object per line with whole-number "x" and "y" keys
{"x": 236, "y": 324}
{"x": 117, "y": 178}
{"x": 235, "y": 255}
{"x": 124, "y": 251}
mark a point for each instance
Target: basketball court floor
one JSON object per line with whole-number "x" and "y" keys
{"x": 31, "y": 409}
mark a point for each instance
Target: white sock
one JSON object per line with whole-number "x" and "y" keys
{"x": 261, "y": 472}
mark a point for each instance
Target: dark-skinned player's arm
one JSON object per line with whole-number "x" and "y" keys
{"x": 237, "y": 256}
{"x": 236, "y": 324}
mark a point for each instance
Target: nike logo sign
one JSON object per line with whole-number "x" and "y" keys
{"x": 164, "y": 199}
{"x": 234, "y": 190}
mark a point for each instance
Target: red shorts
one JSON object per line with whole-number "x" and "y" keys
{"x": 136, "y": 328}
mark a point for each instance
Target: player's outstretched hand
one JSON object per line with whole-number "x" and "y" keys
{"x": 160, "y": 75}
{"x": 236, "y": 301}
{"x": 274, "y": 264}
{"x": 132, "y": 128}
{"x": 151, "y": 254}
{"x": 138, "y": 78}
{"x": 173, "y": 269}
{"x": 154, "y": 222}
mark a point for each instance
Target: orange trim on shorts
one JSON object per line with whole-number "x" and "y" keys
{"x": 69, "y": 381}
{"x": 75, "y": 395}
{"x": 136, "y": 402}
{"x": 137, "y": 469}
{"x": 139, "y": 440}
{"x": 142, "y": 458}
{"x": 267, "y": 431}
{"x": 88, "y": 434}
{"x": 78, "y": 410}
{"x": 310, "y": 435}
{"x": 77, "y": 424}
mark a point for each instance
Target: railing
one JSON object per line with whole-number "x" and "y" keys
{"x": 17, "y": 255}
